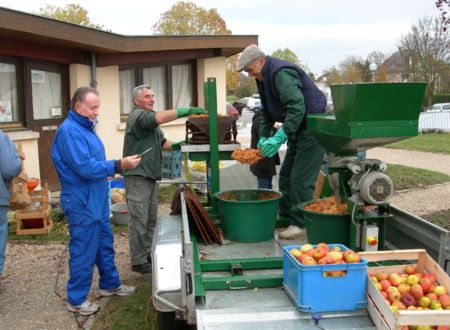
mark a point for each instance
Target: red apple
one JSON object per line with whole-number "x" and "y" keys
{"x": 336, "y": 255}
{"x": 444, "y": 299}
{"x": 385, "y": 284}
{"x": 307, "y": 260}
{"x": 323, "y": 245}
{"x": 319, "y": 253}
{"x": 401, "y": 306}
{"x": 394, "y": 295}
{"x": 408, "y": 299}
{"x": 425, "y": 283}
{"x": 410, "y": 269}
{"x": 432, "y": 295}
{"x": 416, "y": 291}
{"x": 403, "y": 288}
{"x": 430, "y": 276}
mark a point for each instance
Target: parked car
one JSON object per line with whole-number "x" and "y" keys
{"x": 439, "y": 107}
{"x": 250, "y": 102}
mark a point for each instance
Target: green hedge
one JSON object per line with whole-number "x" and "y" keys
{"x": 441, "y": 98}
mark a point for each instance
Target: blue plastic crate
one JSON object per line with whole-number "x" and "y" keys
{"x": 170, "y": 174}
{"x": 312, "y": 291}
{"x": 171, "y": 155}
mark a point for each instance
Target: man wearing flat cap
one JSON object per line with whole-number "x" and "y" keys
{"x": 287, "y": 95}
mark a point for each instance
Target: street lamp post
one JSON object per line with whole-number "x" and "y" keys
{"x": 373, "y": 67}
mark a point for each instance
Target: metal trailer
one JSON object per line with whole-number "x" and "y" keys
{"x": 183, "y": 267}
{"x": 239, "y": 285}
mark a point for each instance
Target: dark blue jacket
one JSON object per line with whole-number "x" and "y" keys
{"x": 79, "y": 158}
{"x": 10, "y": 167}
{"x": 315, "y": 100}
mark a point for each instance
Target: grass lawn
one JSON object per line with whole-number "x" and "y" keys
{"x": 430, "y": 142}
{"x": 130, "y": 313}
{"x": 439, "y": 218}
{"x": 406, "y": 177}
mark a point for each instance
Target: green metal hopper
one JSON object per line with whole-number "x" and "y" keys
{"x": 368, "y": 115}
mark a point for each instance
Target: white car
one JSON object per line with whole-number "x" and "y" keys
{"x": 439, "y": 107}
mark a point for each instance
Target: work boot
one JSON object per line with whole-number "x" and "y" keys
{"x": 143, "y": 269}
{"x": 86, "y": 308}
{"x": 123, "y": 290}
{"x": 291, "y": 232}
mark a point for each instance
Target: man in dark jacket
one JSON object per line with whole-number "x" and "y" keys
{"x": 79, "y": 158}
{"x": 287, "y": 96}
{"x": 10, "y": 167}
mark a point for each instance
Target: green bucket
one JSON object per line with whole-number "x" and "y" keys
{"x": 248, "y": 215}
{"x": 326, "y": 228}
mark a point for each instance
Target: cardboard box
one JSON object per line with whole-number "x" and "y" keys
{"x": 381, "y": 312}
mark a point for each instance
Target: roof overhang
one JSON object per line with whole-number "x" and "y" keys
{"x": 46, "y": 32}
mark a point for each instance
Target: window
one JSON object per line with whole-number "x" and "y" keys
{"x": 46, "y": 94}
{"x": 9, "y": 104}
{"x": 172, "y": 83}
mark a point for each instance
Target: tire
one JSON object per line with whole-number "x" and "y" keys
{"x": 167, "y": 321}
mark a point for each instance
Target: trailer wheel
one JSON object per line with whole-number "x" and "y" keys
{"x": 167, "y": 321}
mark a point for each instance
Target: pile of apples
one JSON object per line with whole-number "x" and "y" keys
{"x": 322, "y": 254}
{"x": 411, "y": 290}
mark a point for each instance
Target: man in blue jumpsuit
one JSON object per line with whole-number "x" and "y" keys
{"x": 287, "y": 96}
{"x": 79, "y": 158}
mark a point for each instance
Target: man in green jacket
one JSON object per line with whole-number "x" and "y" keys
{"x": 144, "y": 137}
{"x": 287, "y": 95}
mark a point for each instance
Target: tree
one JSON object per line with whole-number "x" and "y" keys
{"x": 71, "y": 13}
{"x": 351, "y": 69}
{"x": 232, "y": 76}
{"x": 246, "y": 86}
{"x": 427, "y": 51}
{"x": 444, "y": 8}
{"x": 289, "y": 56}
{"x": 188, "y": 18}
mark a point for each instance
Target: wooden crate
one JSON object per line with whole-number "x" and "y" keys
{"x": 36, "y": 218}
{"x": 380, "y": 311}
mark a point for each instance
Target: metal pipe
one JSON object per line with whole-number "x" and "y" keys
{"x": 93, "y": 71}
{"x": 165, "y": 302}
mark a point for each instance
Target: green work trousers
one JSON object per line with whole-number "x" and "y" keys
{"x": 299, "y": 173}
{"x": 143, "y": 209}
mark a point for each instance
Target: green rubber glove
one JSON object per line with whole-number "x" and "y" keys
{"x": 261, "y": 142}
{"x": 183, "y": 112}
{"x": 177, "y": 145}
{"x": 271, "y": 146}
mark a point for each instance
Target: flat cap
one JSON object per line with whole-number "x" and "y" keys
{"x": 249, "y": 54}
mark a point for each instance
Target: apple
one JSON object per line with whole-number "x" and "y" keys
{"x": 382, "y": 276}
{"x": 378, "y": 286}
{"x": 424, "y": 327}
{"x": 352, "y": 257}
{"x": 435, "y": 304}
{"x": 310, "y": 252}
{"x": 430, "y": 276}
{"x": 307, "y": 260}
{"x": 401, "y": 306}
{"x": 326, "y": 260}
{"x": 336, "y": 248}
{"x": 324, "y": 246}
{"x": 416, "y": 290}
{"x": 306, "y": 247}
{"x": 385, "y": 284}
{"x": 432, "y": 295}
{"x": 443, "y": 327}
{"x": 424, "y": 301}
{"x": 425, "y": 283}
{"x": 295, "y": 252}
{"x": 404, "y": 288}
{"x": 411, "y": 308}
{"x": 394, "y": 295}
{"x": 444, "y": 299}
{"x": 395, "y": 279}
{"x": 394, "y": 309}
{"x": 440, "y": 289}
{"x": 336, "y": 255}
{"x": 319, "y": 253}
{"x": 408, "y": 299}
{"x": 410, "y": 269}
{"x": 337, "y": 273}
{"x": 412, "y": 279}
{"x": 384, "y": 294}
{"x": 392, "y": 289}
{"x": 374, "y": 279}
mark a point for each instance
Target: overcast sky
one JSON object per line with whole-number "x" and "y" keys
{"x": 321, "y": 32}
